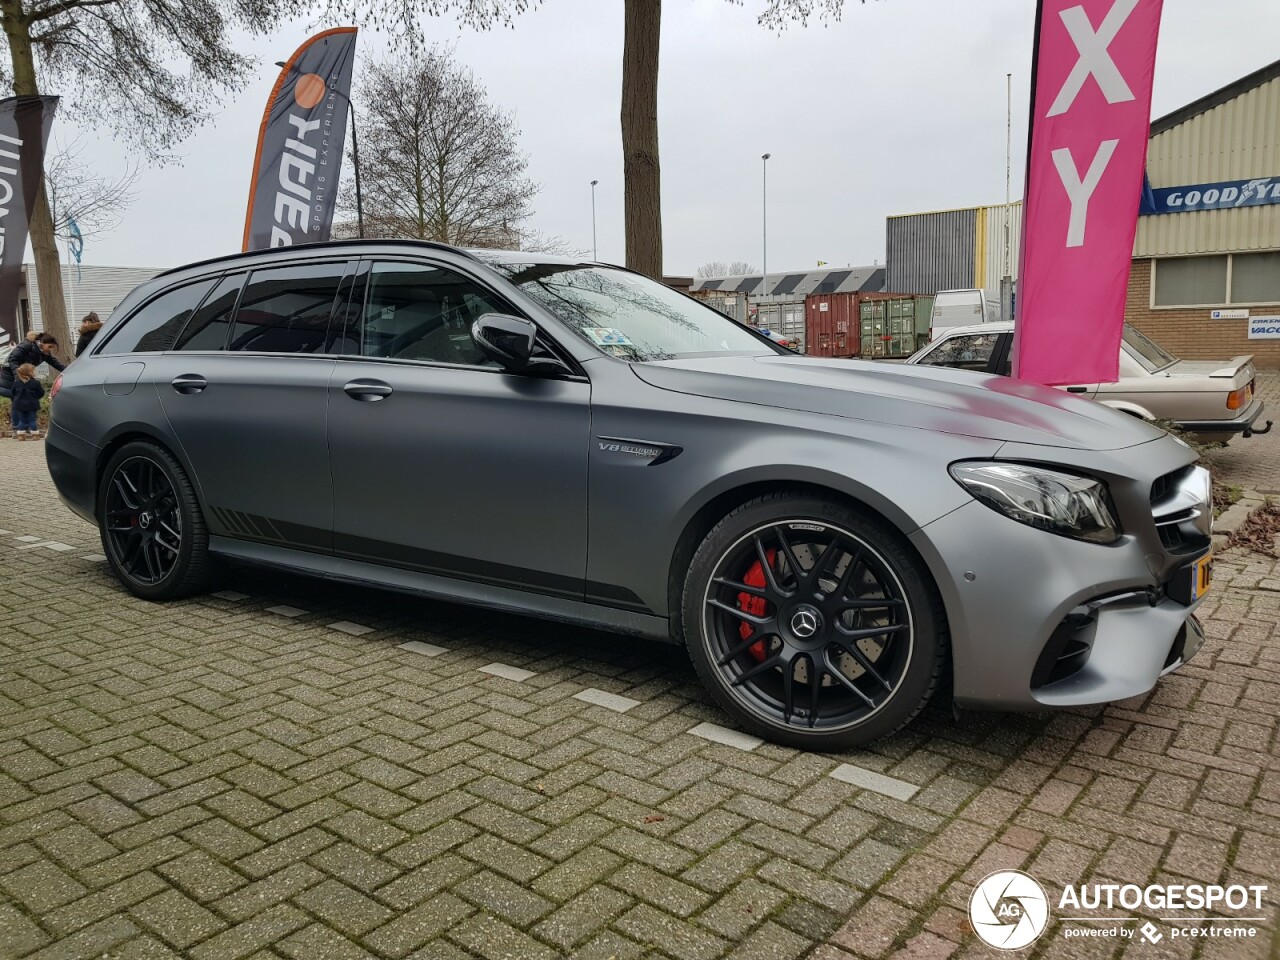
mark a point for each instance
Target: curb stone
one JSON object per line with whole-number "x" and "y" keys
{"x": 1234, "y": 516}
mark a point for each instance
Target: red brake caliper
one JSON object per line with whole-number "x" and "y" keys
{"x": 756, "y": 606}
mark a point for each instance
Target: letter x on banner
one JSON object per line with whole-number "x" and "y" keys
{"x": 1090, "y": 121}
{"x": 299, "y": 159}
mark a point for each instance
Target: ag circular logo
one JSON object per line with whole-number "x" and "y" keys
{"x": 1009, "y": 910}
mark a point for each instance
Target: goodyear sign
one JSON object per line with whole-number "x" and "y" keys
{"x": 1211, "y": 196}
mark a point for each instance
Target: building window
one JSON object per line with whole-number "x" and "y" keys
{"x": 1240, "y": 278}
{"x": 1255, "y": 278}
{"x": 1191, "y": 281}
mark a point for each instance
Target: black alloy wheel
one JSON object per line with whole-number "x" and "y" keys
{"x": 142, "y": 522}
{"x": 152, "y": 530}
{"x": 813, "y": 626}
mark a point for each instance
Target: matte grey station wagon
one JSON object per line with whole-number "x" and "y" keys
{"x": 831, "y": 540}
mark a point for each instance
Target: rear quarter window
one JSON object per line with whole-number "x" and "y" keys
{"x": 156, "y": 326}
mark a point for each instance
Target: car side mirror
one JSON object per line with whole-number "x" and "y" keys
{"x": 511, "y": 342}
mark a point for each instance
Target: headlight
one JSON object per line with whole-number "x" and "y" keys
{"x": 1061, "y": 503}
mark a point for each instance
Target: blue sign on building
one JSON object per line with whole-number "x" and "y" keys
{"x": 1210, "y": 196}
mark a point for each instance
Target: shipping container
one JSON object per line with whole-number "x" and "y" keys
{"x": 727, "y": 302}
{"x": 785, "y": 318}
{"x": 831, "y": 324}
{"x": 893, "y": 326}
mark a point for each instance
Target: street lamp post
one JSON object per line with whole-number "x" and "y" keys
{"x": 595, "y": 253}
{"x": 764, "y": 224}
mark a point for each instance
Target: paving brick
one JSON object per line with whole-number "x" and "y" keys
{"x": 176, "y": 919}
{"x": 590, "y": 911}
{"x": 256, "y": 897}
{"x": 42, "y": 887}
{"x": 742, "y": 908}
{"x": 674, "y": 937}
{"x": 345, "y": 910}
{"x": 256, "y": 933}
{"x": 415, "y": 927}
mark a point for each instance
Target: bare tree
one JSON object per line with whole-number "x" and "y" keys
{"x": 96, "y": 203}
{"x": 718, "y": 268}
{"x": 438, "y": 161}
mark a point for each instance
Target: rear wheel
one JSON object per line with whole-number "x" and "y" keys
{"x": 812, "y": 623}
{"x": 153, "y": 532}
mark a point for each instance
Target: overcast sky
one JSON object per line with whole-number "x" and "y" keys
{"x": 898, "y": 108}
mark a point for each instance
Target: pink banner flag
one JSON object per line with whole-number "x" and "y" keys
{"x": 1090, "y": 120}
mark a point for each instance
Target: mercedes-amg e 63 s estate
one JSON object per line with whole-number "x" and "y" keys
{"x": 830, "y": 539}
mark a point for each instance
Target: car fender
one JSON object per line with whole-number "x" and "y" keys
{"x": 1125, "y": 406}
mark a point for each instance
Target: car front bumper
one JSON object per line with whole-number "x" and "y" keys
{"x": 1039, "y": 620}
{"x": 1242, "y": 423}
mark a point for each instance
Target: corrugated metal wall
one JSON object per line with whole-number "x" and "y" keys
{"x": 928, "y": 252}
{"x": 989, "y": 239}
{"x": 98, "y": 288}
{"x": 1235, "y": 140}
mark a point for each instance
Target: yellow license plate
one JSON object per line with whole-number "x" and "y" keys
{"x": 1201, "y": 577}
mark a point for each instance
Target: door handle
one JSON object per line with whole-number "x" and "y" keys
{"x": 1077, "y": 389}
{"x": 189, "y": 383}
{"x": 367, "y": 391}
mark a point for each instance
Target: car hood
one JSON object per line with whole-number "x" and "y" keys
{"x": 915, "y": 397}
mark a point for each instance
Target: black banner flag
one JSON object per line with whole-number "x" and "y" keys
{"x": 295, "y": 171}
{"x": 24, "y": 132}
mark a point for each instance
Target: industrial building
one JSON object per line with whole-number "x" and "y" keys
{"x": 96, "y": 288}
{"x": 1205, "y": 278}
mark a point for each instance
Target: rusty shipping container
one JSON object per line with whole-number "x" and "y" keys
{"x": 831, "y": 324}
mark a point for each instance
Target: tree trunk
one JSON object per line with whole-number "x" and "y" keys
{"x": 53, "y": 307}
{"x": 641, "y": 174}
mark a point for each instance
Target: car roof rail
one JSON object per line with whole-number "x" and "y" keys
{"x": 325, "y": 245}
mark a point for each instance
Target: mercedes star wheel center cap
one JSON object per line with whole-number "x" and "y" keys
{"x": 804, "y": 623}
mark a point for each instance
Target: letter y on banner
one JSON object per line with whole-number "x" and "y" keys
{"x": 1090, "y": 121}
{"x": 304, "y": 130}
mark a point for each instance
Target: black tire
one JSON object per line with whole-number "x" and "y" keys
{"x": 878, "y": 643}
{"x": 153, "y": 532}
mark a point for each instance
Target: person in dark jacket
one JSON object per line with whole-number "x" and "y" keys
{"x": 89, "y": 328}
{"x": 35, "y": 353}
{"x": 27, "y": 393}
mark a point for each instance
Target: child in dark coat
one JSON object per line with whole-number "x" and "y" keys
{"x": 27, "y": 392}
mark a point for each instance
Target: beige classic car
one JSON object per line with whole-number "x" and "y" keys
{"x": 1211, "y": 399}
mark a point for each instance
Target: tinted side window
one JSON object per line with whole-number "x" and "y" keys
{"x": 155, "y": 327}
{"x": 287, "y": 309}
{"x": 969, "y": 352}
{"x": 417, "y": 312}
{"x": 208, "y": 328}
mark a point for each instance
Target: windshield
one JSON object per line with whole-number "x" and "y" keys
{"x": 627, "y": 315}
{"x": 1149, "y": 353}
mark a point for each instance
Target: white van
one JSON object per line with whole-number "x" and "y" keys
{"x": 958, "y": 308}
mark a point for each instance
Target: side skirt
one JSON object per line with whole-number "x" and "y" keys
{"x": 448, "y": 589}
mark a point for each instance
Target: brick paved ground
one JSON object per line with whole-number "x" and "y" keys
{"x": 271, "y": 772}
{"x": 1255, "y": 463}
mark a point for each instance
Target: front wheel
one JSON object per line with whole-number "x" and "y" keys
{"x": 813, "y": 624}
{"x": 153, "y": 532}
